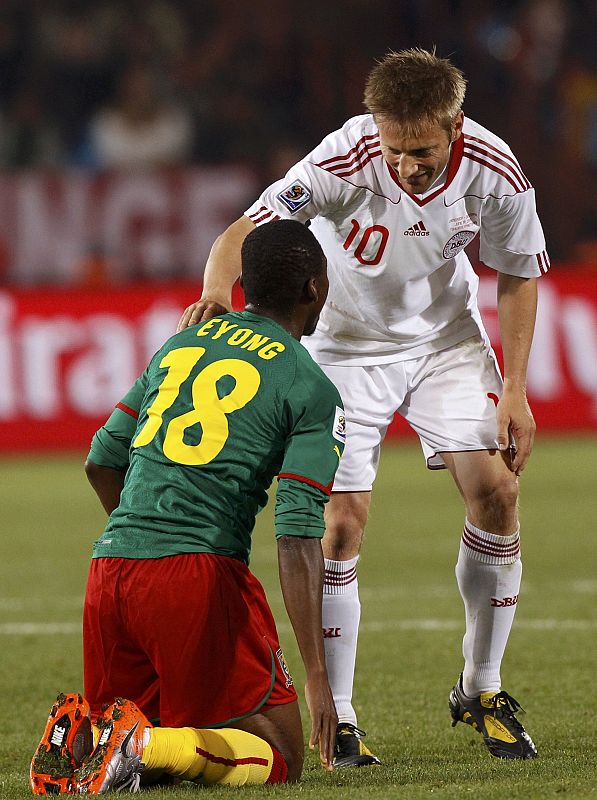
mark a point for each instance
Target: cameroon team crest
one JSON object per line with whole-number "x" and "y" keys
{"x": 284, "y": 667}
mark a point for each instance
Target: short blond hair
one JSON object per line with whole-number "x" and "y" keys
{"x": 415, "y": 89}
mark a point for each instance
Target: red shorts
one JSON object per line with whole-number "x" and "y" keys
{"x": 189, "y": 638}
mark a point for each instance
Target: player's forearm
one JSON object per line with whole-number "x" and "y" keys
{"x": 301, "y": 569}
{"x": 107, "y": 484}
{"x": 517, "y": 310}
{"x": 224, "y": 265}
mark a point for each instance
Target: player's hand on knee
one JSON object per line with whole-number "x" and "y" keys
{"x": 200, "y": 311}
{"x": 324, "y": 719}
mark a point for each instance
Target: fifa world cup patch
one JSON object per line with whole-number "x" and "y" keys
{"x": 284, "y": 668}
{"x": 339, "y": 429}
{"x": 295, "y": 196}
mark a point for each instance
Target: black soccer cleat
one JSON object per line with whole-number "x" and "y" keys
{"x": 350, "y": 750}
{"x": 493, "y": 716}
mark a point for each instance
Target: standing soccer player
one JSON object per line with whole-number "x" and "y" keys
{"x": 394, "y": 197}
{"x": 174, "y": 621}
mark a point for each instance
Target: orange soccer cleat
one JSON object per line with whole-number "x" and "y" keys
{"x": 115, "y": 764}
{"x": 66, "y": 742}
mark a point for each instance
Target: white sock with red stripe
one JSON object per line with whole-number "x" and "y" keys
{"x": 488, "y": 572}
{"x": 341, "y": 615}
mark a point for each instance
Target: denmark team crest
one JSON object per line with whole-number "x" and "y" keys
{"x": 295, "y": 196}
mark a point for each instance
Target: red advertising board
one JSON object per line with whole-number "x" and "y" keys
{"x": 67, "y": 356}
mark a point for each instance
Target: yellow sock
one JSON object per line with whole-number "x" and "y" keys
{"x": 226, "y": 756}
{"x": 96, "y": 733}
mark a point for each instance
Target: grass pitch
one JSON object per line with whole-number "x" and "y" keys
{"x": 409, "y": 651}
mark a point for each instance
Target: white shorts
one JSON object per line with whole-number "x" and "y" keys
{"x": 448, "y": 398}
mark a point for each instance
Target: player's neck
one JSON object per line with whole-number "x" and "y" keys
{"x": 293, "y": 325}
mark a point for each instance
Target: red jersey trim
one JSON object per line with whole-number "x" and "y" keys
{"x": 128, "y": 410}
{"x": 301, "y": 478}
{"x": 359, "y": 166}
{"x": 363, "y": 142}
{"x": 501, "y": 153}
{"x": 259, "y": 216}
{"x": 258, "y": 212}
{"x": 516, "y": 174}
{"x": 364, "y": 152}
{"x": 496, "y": 169}
{"x": 543, "y": 261}
{"x": 453, "y": 166}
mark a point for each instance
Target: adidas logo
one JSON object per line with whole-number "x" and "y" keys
{"x": 418, "y": 229}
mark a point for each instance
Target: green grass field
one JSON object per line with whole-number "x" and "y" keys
{"x": 409, "y": 652}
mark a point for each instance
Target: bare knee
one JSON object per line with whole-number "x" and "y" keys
{"x": 345, "y": 519}
{"x": 494, "y": 505}
{"x": 294, "y": 763}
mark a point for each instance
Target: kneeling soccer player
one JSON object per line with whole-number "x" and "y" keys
{"x": 177, "y": 630}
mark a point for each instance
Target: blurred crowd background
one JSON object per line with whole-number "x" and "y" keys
{"x": 127, "y": 85}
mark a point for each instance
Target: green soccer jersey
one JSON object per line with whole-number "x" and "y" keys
{"x": 222, "y": 408}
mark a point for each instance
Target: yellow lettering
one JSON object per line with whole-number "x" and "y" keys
{"x": 255, "y": 342}
{"x": 239, "y": 336}
{"x": 224, "y": 328}
{"x": 271, "y": 350}
{"x": 203, "y": 330}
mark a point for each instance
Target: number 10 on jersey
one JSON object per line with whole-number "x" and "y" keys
{"x": 382, "y": 235}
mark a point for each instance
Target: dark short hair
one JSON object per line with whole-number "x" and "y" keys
{"x": 278, "y": 258}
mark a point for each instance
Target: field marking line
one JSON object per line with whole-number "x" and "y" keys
{"x": 39, "y": 628}
{"x": 421, "y": 625}
{"x": 383, "y": 593}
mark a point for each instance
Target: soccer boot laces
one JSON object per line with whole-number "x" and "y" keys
{"x": 115, "y": 763}
{"x": 350, "y": 750}
{"x": 66, "y": 741}
{"x": 493, "y": 715}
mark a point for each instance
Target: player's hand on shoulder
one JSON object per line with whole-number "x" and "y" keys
{"x": 200, "y": 311}
{"x": 324, "y": 719}
{"x": 514, "y": 416}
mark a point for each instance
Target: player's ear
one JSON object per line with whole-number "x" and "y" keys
{"x": 457, "y": 124}
{"x": 310, "y": 291}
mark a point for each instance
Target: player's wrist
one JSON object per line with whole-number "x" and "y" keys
{"x": 316, "y": 673}
{"x": 217, "y": 296}
{"x": 515, "y": 384}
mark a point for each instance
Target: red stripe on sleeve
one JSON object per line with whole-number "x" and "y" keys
{"x": 263, "y": 218}
{"x": 501, "y": 153}
{"x": 363, "y": 141}
{"x": 494, "y": 168}
{"x": 516, "y": 174}
{"x": 362, "y": 163}
{"x": 302, "y": 479}
{"x": 128, "y": 410}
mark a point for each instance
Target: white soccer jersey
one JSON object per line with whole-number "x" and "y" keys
{"x": 401, "y": 285}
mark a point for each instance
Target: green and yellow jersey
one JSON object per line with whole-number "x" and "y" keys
{"x": 222, "y": 408}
